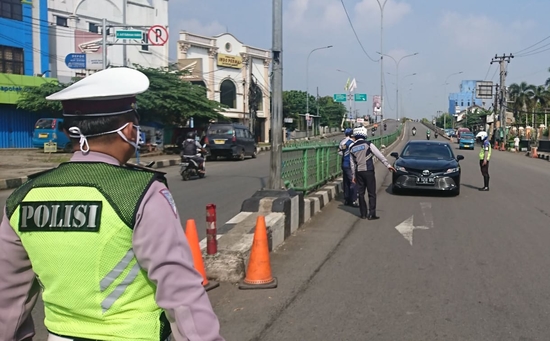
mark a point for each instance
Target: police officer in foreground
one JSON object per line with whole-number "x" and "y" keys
{"x": 484, "y": 157}
{"x": 350, "y": 193}
{"x": 103, "y": 239}
{"x": 362, "y": 167}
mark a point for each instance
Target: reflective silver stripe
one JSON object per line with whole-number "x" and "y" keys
{"x": 117, "y": 270}
{"x": 119, "y": 290}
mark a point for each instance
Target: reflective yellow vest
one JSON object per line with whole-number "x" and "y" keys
{"x": 482, "y": 151}
{"x": 76, "y": 224}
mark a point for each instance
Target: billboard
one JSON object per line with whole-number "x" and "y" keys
{"x": 91, "y": 44}
{"x": 376, "y": 105}
{"x": 484, "y": 89}
{"x": 193, "y": 67}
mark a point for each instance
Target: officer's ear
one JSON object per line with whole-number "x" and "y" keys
{"x": 130, "y": 132}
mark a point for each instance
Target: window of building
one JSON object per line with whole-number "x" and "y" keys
{"x": 11, "y": 9}
{"x": 61, "y": 21}
{"x": 260, "y": 100}
{"x": 92, "y": 27}
{"x": 11, "y": 60}
{"x": 145, "y": 40}
{"x": 228, "y": 94}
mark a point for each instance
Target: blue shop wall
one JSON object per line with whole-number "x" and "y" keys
{"x": 16, "y": 127}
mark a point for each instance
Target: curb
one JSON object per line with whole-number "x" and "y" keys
{"x": 284, "y": 215}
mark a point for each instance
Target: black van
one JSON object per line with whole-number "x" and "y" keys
{"x": 230, "y": 140}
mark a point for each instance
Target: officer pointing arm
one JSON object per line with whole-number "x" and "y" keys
{"x": 103, "y": 240}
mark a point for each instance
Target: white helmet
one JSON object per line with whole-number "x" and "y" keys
{"x": 360, "y": 132}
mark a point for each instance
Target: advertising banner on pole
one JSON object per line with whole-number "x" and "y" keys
{"x": 376, "y": 105}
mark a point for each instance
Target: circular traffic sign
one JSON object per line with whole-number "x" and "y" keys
{"x": 157, "y": 35}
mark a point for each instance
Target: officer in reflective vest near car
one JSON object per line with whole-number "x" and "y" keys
{"x": 102, "y": 238}
{"x": 484, "y": 157}
{"x": 362, "y": 166}
{"x": 350, "y": 192}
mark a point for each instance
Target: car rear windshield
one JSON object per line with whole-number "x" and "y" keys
{"x": 427, "y": 151}
{"x": 45, "y": 123}
{"x": 221, "y": 130}
{"x": 467, "y": 136}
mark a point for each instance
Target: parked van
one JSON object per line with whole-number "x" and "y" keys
{"x": 51, "y": 130}
{"x": 230, "y": 140}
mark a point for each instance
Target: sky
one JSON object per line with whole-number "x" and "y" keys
{"x": 449, "y": 37}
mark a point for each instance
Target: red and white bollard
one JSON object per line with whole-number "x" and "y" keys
{"x": 211, "y": 231}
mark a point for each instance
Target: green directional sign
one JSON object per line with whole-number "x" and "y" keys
{"x": 360, "y": 97}
{"x": 340, "y": 97}
{"x": 125, "y": 34}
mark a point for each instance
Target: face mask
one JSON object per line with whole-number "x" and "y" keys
{"x": 85, "y": 147}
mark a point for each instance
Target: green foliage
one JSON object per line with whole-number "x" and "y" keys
{"x": 295, "y": 103}
{"x": 446, "y": 120}
{"x": 169, "y": 100}
{"x": 33, "y": 99}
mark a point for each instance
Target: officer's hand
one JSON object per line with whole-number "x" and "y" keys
{"x": 392, "y": 169}
{"x": 484, "y": 162}
{"x": 353, "y": 180}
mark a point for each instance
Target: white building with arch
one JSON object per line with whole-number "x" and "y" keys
{"x": 76, "y": 27}
{"x": 235, "y": 74}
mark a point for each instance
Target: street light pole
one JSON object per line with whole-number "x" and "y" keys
{"x": 381, "y": 5}
{"x": 276, "y": 154}
{"x": 397, "y": 62}
{"x": 307, "y": 81}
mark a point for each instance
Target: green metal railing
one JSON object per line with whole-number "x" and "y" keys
{"x": 310, "y": 164}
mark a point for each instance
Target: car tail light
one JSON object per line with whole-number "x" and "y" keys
{"x": 206, "y": 140}
{"x": 234, "y": 138}
{"x": 54, "y": 122}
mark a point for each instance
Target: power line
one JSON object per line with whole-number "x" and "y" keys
{"x": 532, "y": 45}
{"x": 533, "y": 53}
{"x": 356, "y": 36}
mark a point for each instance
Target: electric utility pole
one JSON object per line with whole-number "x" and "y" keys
{"x": 502, "y": 60}
{"x": 275, "y": 180}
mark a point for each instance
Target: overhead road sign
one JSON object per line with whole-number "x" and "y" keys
{"x": 360, "y": 97}
{"x": 340, "y": 97}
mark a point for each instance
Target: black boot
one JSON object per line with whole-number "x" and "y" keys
{"x": 372, "y": 216}
{"x": 485, "y": 183}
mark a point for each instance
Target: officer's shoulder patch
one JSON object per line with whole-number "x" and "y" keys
{"x": 168, "y": 196}
{"x": 358, "y": 148}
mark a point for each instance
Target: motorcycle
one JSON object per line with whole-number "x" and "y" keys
{"x": 414, "y": 132}
{"x": 427, "y": 137}
{"x": 190, "y": 167}
{"x": 435, "y": 135}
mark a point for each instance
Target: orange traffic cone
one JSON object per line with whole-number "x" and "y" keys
{"x": 534, "y": 153}
{"x": 258, "y": 274}
{"x": 193, "y": 240}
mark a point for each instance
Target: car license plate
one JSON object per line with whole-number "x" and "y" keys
{"x": 466, "y": 146}
{"x": 425, "y": 181}
{"x": 219, "y": 141}
{"x": 42, "y": 136}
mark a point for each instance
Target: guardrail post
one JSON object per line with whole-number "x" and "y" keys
{"x": 211, "y": 231}
{"x": 318, "y": 164}
{"x": 305, "y": 167}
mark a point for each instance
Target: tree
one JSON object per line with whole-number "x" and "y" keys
{"x": 295, "y": 104}
{"x": 169, "y": 99}
{"x": 446, "y": 120}
{"x": 33, "y": 99}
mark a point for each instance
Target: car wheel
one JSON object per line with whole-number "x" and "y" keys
{"x": 241, "y": 156}
{"x": 68, "y": 148}
{"x": 255, "y": 153}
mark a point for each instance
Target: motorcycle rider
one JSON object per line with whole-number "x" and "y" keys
{"x": 192, "y": 149}
{"x": 414, "y": 131}
{"x": 435, "y": 134}
{"x": 428, "y": 134}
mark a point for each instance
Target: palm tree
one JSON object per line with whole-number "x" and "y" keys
{"x": 521, "y": 97}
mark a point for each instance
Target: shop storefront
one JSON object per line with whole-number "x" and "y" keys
{"x": 16, "y": 126}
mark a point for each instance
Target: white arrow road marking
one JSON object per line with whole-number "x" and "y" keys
{"x": 407, "y": 227}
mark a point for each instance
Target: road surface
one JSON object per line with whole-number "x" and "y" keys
{"x": 476, "y": 269}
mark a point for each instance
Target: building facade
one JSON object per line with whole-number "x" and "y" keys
{"x": 465, "y": 98}
{"x": 235, "y": 74}
{"x": 24, "y": 59}
{"x": 76, "y": 26}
